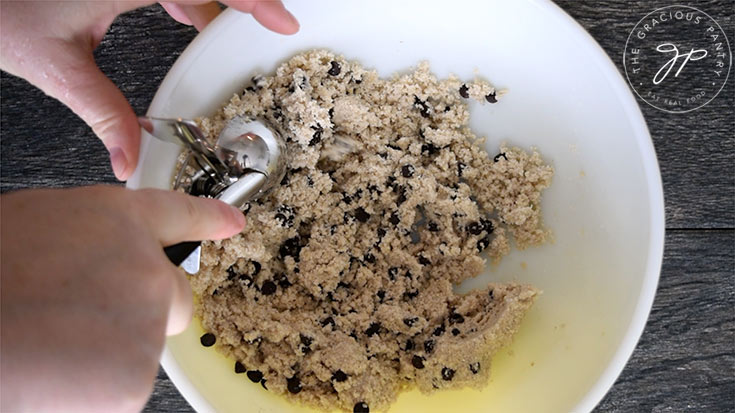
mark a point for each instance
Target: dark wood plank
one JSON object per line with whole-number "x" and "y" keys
{"x": 165, "y": 397}
{"x": 684, "y": 360}
{"x": 696, "y": 150}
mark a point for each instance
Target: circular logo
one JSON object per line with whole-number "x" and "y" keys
{"x": 677, "y": 58}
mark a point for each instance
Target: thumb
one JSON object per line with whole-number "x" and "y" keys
{"x": 175, "y": 217}
{"x": 72, "y": 77}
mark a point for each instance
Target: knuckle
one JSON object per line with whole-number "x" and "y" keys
{"x": 101, "y": 123}
{"x": 191, "y": 209}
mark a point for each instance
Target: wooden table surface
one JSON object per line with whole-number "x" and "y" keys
{"x": 685, "y": 360}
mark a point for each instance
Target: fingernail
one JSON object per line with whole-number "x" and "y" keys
{"x": 238, "y": 217}
{"x": 119, "y": 162}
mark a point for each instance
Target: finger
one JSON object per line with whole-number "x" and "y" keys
{"x": 271, "y": 14}
{"x": 182, "y": 308}
{"x": 201, "y": 14}
{"x": 175, "y": 11}
{"x": 175, "y": 217}
{"x": 72, "y": 77}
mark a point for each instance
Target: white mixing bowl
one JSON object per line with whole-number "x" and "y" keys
{"x": 605, "y": 206}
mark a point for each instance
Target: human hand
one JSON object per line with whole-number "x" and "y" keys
{"x": 50, "y": 44}
{"x": 88, "y": 295}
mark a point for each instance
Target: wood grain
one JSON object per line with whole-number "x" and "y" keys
{"x": 685, "y": 360}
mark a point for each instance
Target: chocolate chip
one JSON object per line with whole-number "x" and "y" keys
{"x": 381, "y": 295}
{"x": 455, "y": 332}
{"x": 392, "y": 272}
{"x": 483, "y": 243}
{"x": 446, "y": 109}
{"x": 421, "y": 105}
{"x": 433, "y": 226}
{"x": 487, "y": 225}
{"x": 373, "y": 329}
{"x": 461, "y": 166}
{"x": 339, "y": 376}
{"x": 309, "y": 181}
{"x": 255, "y": 376}
{"x": 475, "y": 228}
{"x": 361, "y": 407}
{"x": 491, "y": 98}
{"x": 268, "y": 288}
{"x": 423, "y": 260}
{"x": 285, "y": 179}
{"x": 394, "y": 219}
{"x": 410, "y": 345}
{"x": 215, "y": 292}
{"x": 394, "y": 147}
{"x": 332, "y": 229}
{"x": 447, "y": 374}
{"x": 231, "y": 272}
{"x": 429, "y": 346}
{"x": 283, "y": 220}
{"x": 256, "y": 268}
{"x": 410, "y": 321}
{"x": 305, "y": 340}
{"x": 463, "y": 91}
{"x": 239, "y": 368}
{"x": 347, "y": 199}
{"x": 361, "y": 215}
{"x": 401, "y": 197}
{"x": 490, "y": 293}
{"x": 291, "y": 247}
{"x": 475, "y": 367}
{"x": 327, "y": 321}
{"x": 369, "y": 258}
{"x": 429, "y": 149}
{"x": 500, "y": 155}
{"x": 408, "y": 275}
{"x": 381, "y": 233}
{"x": 373, "y": 189}
{"x": 439, "y": 330}
{"x": 330, "y": 112}
{"x": 207, "y": 339}
{"x": 456, "y": 318}
{"x": 417, "y": 361}
{"x": 282, "y": 281}
{"x": 246, "y": 280}
{"x": 316, "y": 138}
{"x": 335, "y": 69}
{"x": 262, "y": 383}
{"x": 407, "y": 170}
{"x": 293, "y": 384}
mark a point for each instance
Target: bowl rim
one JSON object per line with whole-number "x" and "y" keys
{"x": 645, "y": 145}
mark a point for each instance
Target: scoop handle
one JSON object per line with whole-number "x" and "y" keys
{"x": 177, "y": 253}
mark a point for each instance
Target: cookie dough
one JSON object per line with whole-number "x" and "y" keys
{"x": 338, "y": 293}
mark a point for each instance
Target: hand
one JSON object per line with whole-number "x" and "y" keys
{"x": 50, "y": 44}
{"x": 88, "y": 294}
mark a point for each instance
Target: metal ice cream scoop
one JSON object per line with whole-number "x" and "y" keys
{"x": 248, "y": 160}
